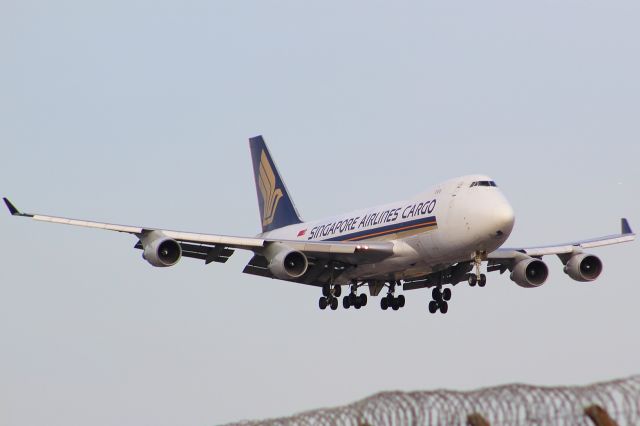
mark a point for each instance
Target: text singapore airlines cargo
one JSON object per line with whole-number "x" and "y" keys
{"x": 437, "y": 238}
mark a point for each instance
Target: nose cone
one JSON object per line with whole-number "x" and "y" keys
{"x": 494, "y": 219}
{"x": 502, "y": 218}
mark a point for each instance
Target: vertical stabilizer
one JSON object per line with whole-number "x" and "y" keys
{"x": 276, "y": 207}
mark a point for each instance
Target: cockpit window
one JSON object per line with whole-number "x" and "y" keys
{"x": 483, "y": 183}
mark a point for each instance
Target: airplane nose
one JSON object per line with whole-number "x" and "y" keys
{"x": 503, "y": 218}
{"x": 495, "y": 218}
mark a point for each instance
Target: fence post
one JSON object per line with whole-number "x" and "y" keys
{"x": 476, "y": 419}
{"x": 599, "y": 416}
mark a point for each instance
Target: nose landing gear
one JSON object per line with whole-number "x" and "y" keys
{"x": 474, "y": 279}
{"x": 477, "y": 278}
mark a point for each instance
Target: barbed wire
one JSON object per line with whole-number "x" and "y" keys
{"x": 512, "y": 405}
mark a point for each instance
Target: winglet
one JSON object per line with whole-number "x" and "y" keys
{"x": 12, "y": 209}
{"x": 626, "y": 229}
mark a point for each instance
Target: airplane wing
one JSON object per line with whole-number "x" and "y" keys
{"x": 324, "y": 257}
{"x": 503, "y": 257}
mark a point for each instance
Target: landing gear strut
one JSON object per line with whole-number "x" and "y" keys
{"x": 440, "y": 299}
{"x": 477, "y": 278}
{"x": 391, "y": 301}
{"x": 330, "y": 294}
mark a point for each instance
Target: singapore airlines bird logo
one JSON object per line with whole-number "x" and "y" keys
{"x": 270, "y": 194}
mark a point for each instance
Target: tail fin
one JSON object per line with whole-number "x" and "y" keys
{"x": 276, "y": 207}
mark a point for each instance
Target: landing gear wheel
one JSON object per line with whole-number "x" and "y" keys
{"x": 436, "y": 294}
{"x": 483, "y": 280}
{"x": 472, "y": 280}
{"x": 394, "y": 304}
{"x": 433, "y": 307}
{"x": 444, "y": 307}
{"x": 322, "y": 303}
{"x": 337, "y": 291}
{"x": 384, "y": 303}
{"x": 401, "y": 301}
{"x": 362, "y": 299}
{"x": 446, "y": 294}
{"x": 326, "y": 290}
{"x": 334, "y": 304}
{"x": 346, "y": 302}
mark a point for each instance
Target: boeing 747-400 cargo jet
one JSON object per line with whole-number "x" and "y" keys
{"x": 439, "y": 237}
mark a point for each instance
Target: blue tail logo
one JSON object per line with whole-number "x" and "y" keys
{"x": 276, "y": 207}
{"x": 271, "y": 195}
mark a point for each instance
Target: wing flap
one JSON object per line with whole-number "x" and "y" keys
{"x": 344, "y": 251}
{"x": 320, "y": 271}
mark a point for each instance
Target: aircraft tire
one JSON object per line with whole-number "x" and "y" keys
{"x": 337, "y": 291}
{"x": 326, "y": 290}
{"x": 436, "y": 294}
{"x": 362, "y": 299}
{"x": 384, "y": 303}
{"x": 334, "y": 304}
{"x": 433, "y": 307}
{"x": 444, "y": 307}
{"x": 472, "y": 280}
{"x": 401, "y": 300}
{"x": 483, "y": 280}
{"x": 446, "y": 294}
{"x": 346, "y": 302}
{"x": 322, "y": 303}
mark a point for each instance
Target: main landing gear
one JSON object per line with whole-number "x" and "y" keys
{"x": 330, "y": 294}
{"x": 354, "y": 299}
{"x": 391, "y": 301}
{"x": 477, "y": 278}
{"x": 440, "y": 299}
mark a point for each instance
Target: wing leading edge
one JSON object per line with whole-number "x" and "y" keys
{"x": 625, "y": 235}
{"x": 218, "y": 248}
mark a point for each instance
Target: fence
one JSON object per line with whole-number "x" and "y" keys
{"x": 615, "y": 403}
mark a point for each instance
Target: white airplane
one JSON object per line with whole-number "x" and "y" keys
{"x": 433, "y": 239}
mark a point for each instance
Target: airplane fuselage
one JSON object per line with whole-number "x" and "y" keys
{"x": 447, "y": 224}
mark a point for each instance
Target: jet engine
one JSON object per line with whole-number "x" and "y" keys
{"x": 286, "y": 263}
{"x": 530, "y": 273}
{"x": 160, "y": 251}
{"x": 583, "y": 267}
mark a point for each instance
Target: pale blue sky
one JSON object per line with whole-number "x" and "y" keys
{"x": 139, "y": 112}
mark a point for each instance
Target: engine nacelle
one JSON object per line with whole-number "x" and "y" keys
{"x": 583, "y": 267}
{"x": 530, "y": 273}
{"x": 286, "y": 263}
{"x": 160, "y": 251}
